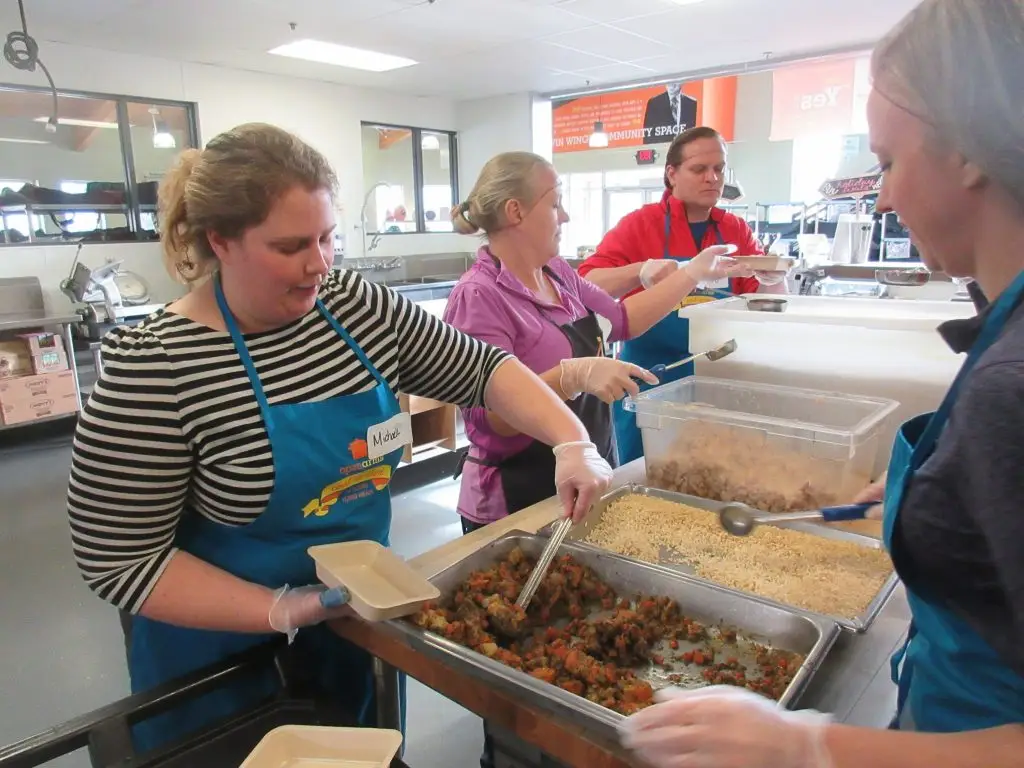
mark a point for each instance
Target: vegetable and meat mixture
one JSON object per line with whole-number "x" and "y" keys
{"x": 579, "y": 635}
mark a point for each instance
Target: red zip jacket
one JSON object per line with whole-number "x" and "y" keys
{"x": 640, "y": 236}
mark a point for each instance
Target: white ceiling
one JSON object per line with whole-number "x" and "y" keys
{"x": 466, "y": 48}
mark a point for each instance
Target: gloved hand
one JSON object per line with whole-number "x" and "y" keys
{"x": 655, "y": 270}
{"x": 712, "y": 264}
{"x": 581, "y": 477}
{"x": 770, "y": 278}
{"x": 605, "y": 377}
{"x": 725, "y": 727}
{"x": 873, "y": 492}
{"x": 294, "y": 608}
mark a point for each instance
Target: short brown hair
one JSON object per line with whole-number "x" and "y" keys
{"x": 674, "y": 157}
{"x": 230, "y": 187}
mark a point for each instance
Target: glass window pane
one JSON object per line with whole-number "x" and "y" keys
{"x": 622, "y": 202}
{"x": 583, "y": 198}
{"x": 437, "y": 181}
{"x": 649, "y": 176}
{"x": 159, "y": 133}
{"x": 85, "y": 148}
{"x": 388, "y": 180}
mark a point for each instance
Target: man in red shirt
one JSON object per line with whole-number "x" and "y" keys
{"x": 651, "y": 242}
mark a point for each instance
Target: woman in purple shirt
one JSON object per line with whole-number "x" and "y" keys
{"x": 520, "y": 296}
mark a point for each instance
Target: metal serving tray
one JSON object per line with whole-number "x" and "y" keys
{"x": 754, "y": 619}
{"x": 670, "y": 561}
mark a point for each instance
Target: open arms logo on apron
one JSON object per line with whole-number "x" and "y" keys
{"x": 362, "y": 478}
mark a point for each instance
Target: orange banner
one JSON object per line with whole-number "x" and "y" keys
{"x": 642, "y": 116}
{"x": 812, "y": 99}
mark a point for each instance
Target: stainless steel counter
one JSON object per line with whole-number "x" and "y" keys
{"x": 23, "y": 320}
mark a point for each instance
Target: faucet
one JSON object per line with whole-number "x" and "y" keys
{"x": 362, "y": 217}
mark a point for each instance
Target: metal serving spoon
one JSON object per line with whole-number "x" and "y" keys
{"x": 740, "y": 520}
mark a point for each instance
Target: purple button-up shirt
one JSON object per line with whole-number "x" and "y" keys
{"x": 491, "y": 304}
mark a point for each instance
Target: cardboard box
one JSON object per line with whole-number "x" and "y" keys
{"x": 15, "y": 359}
{"x": 30, "y": 398}
{"x": 47, "y": 352}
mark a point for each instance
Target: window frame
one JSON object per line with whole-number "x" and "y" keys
{"x": 133, "y": 206}
{"x": 418, "y": 180}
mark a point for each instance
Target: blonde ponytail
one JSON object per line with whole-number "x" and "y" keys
{"x": 461, "y": 221}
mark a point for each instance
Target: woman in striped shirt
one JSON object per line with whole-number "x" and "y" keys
{"x": 256, "y": 417}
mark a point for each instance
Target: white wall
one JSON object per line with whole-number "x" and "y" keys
{"x": 326, "y": 115}
{"x": 488, "y": 127}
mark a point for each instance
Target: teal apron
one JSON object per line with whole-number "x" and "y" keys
{"x": 951, "y": 680}
{"x": 666, "y": 342}
{"x": 322, "y": 494}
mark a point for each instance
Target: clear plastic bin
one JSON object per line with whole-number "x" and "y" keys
{"x": 778, "y": 449}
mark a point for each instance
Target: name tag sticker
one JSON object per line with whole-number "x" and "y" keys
{"x": 388, "y": 436}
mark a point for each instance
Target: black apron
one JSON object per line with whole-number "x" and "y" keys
{"x": 528, "y": 477}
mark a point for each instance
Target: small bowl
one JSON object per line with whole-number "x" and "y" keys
{"x": 767, "y": 305}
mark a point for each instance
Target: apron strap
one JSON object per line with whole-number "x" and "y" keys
{"x": 250, "y": 368}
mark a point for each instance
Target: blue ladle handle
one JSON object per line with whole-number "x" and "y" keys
{"x": 846, "y": 512}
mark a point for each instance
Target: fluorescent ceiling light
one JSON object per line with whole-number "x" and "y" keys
{"x": 23, "y": 141}
{"x": 687, "y": 2}
{"x": 82, "y": 123}
{"x": 341, "y": 56}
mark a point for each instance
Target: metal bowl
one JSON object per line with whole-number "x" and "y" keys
{"x": 912, "y": 277}
{"x": 767, "y": 305}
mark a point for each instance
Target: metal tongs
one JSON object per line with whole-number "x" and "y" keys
{"x": 541, "y": 569}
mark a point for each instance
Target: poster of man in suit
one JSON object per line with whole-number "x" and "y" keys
{"x": 669, "y": 114}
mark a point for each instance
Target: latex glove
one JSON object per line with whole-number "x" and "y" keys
{"x": 581, "y": 477}
{"x": 725, "y": 727}
{"x": 305, "y": 606}
{"x": 770, "y": 278}
{"x": 713, "y": 264}
{"x": 605, "y": 377}
{"x": 873, "y": 492}
{"x": 655, "y": 270}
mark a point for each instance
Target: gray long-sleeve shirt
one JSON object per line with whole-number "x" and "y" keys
{"x": 960, "y": 535}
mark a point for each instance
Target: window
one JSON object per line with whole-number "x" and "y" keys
{"x": 410, "y": 178}
{"x": 95, "y": 176}
{"x": 583, "y": 200}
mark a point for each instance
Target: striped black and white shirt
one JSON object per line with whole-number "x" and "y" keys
{"x": 173, "y": 422}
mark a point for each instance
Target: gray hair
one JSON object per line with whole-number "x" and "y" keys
{"x": 958, "y": 65}
{"x": 508, "y": 176}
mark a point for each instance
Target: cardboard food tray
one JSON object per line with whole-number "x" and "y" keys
{"x": 767, "y": 263}
{"x": 754, "y": 620}
{"x": 381, "y": 585}
{"x": 310, "y": 746}
{"x": 671, "y": 561}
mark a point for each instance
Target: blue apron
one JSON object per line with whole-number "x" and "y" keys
{"x": 312, "y": 502}
{"x": 666, "y": 342}
{"x": 951, "y": 680}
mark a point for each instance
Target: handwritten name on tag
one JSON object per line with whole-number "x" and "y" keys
{"x": 388, "y": 436}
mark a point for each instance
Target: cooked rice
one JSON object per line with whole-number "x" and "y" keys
{"x": 838, "y": 578}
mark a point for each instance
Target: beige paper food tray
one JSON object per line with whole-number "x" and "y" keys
{"x": 767, "y": 263}
{"x": 311, "y": 746}
{"x": 381, "y": 585}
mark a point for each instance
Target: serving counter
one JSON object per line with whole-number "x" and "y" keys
{"x": 851, "y": 683}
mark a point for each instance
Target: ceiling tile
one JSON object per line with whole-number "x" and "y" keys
{"x": 611, "y": 73}
{"x": 609, "y": 42}
{"x": 614, "y": 10}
